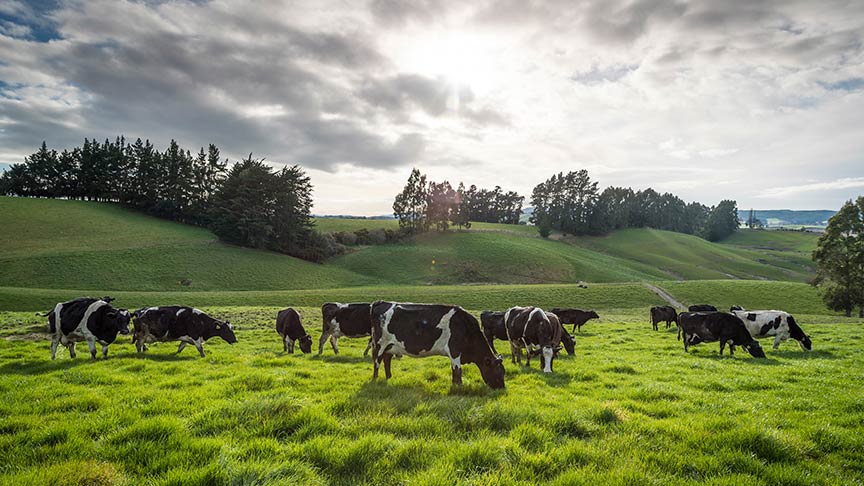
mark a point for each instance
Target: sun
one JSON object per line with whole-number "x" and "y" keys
{"x": 462, "y": 59}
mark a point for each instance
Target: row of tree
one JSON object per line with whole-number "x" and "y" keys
{"x": 839, "y": 258}
{"x": 572, "y": 204}
{"x": 251, "y": 204}
{"x": 424, "y": 204}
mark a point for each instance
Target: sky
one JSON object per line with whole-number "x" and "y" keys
{"x": 753, "y": 100}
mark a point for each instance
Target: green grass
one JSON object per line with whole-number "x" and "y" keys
{"x": 81, "y": 245}
{"x": 630, "y": 408}
{"x": 774, "y": 240}
{"x": 484, "y": 297}
{"x": 686, "y": 257}
{"x": 489, "y": 256}
{"x": 789, "y": 296}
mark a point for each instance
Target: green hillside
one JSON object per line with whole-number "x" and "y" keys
{"x": 57, "y": 244}
{"x": 82, "y": 245}
{"x": 779, "y": 240}
{"x": 685, "y": 257}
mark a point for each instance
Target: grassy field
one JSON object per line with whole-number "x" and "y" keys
{"x": 688, "y": 257}
{"x": 80, "y": 245}
{"x": 630, "y": 408}
{"x": 774, "y": 240}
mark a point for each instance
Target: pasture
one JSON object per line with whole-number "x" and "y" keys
{"x": 629, "y": 408}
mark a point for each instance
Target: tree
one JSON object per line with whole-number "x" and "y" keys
{"x": 839, "y": 258}
{"x": 722, "y": 221}
{"x": 410, "y": 205}
{"x": 460, "y": 217}
{"x": 440, "y": 205}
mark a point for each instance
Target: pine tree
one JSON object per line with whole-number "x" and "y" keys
{"x": 839, "y": 258}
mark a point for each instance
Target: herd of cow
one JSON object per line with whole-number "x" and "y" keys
{"x": 418, "y": 330}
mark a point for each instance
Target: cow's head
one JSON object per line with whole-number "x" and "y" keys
{"x": 593, "y": 315}
{"x": 492, "y": 371}
{"x": 120, "y": 318}
{"x": 755, "y": 349}
{"x": 226, "y": 331}
{"x": 305, "y": 343}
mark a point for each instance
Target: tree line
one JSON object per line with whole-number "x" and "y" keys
{"x": 424, "y": 204}
{"x": 571, "y": 203}
{"x": 250, "y": 205}
{"x": 839, "y": 258}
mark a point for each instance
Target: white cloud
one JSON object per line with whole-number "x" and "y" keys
{"x": 844, "y": 183}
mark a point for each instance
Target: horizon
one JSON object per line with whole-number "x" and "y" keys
{"x": 749, "y": 101}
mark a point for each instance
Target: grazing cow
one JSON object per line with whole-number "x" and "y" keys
{"x": 767, "y": 323}
{"x": 288, "y": 326}
{"x": 532, "y": 327}
{"x": 663, "y": 313}
{"x": 706, "y": 327}
{"x": 349, "y": 320}
{"x": 702, "y": 308}
{"x": 493, "y": 328}
{"x": 432, "y": 330}
{"x": 87, "y": 319}
{"x": 177, "y": 323}
{"x": 577, "y": 317}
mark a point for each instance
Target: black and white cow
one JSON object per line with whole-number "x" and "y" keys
{"x": 577, "y": 317}
{"x": 702, "y": 308}
{"x": 288, "y": 326}
{"x": 178, "y": 323}
{"x": 493, "y": 328}
{"x": 348, "y": 320}
{"x": 767, "y": 323}
{"x": 535, "y": 330}
{"x": 432, "y": 330}
{"x": 662, "y": 313}
{"x": 86, "y": 319}
{"x": 706, "y": 327}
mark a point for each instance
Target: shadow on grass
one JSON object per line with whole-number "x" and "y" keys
{"x": 800, "y": 354}
{"x": 37, "y": 367}
{"x": 742, "y": 355}
{"x": 341, "y": 358}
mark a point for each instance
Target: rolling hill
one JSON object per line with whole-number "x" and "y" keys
{"x": 57, "y": 244}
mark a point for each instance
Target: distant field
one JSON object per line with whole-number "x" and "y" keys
{"x": 333, "y": 225}
{"x": 788, "y": 296}
{"x": 689, "y": 257}
{"x": 630, "y": 408}
{"x": 799, "y": 241}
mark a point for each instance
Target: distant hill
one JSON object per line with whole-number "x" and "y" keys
{"x": 57, "y": 244}
{"x": 789, "y": 217}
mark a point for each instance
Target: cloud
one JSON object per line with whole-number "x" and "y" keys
{"x": 664, "y": 93}
{"x": 844, "y": 183}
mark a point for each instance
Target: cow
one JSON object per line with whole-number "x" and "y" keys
{"x": 493, "y": 328}
{"x": 178, "y": 323}
{"x": 706, "y": 327}
{"x": 532, "y": 328}
{"x": 432, "y": 330}
{"x": 348, "y": 320}
{"x": 577, "y": 317}
{"x": 288, "y": 326}
{"x": 662, "y": 313}
{"x": 702, "y": 308}
{"x": 767, "y": 323}
{"x": 87, "y": 319}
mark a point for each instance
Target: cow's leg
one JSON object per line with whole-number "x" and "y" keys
{"x": 777, "y": 341}
{"x": 527, "y": 354}
{"x": 92, "y": 345}
{"x": 180, "y": 348}
{"x": 368, "y": 346}
{"x": 456, "y": 365}
{"x": 104, "y": 351}
{"x": 335, "y": 346}
{"x": 515, "y": 353}
{"x": 321, "y": 341}
{"x": 55, "y": 341}
{"x": 668, "y": 324}
{"x": 139, "y": 344}
{"x": 686, "y": 342}
{"x": 199, "y": 343}
{"x": 284, "y": 343}
{"x": 387, "y": 359}
{"x": 288, "y": 345}
{"x": 722, "y": 345}
{"x": 731, "y": 349}
{"x": 654, "y": 324}
{"x": 71, "y": 347}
